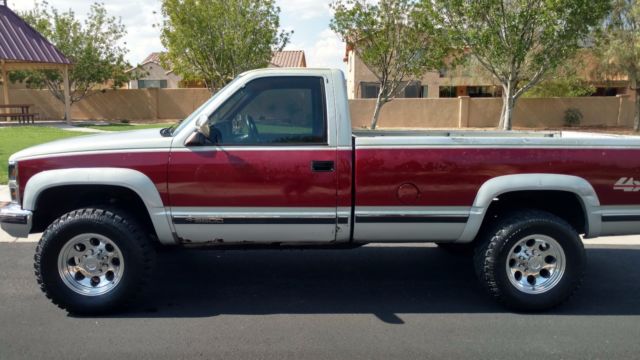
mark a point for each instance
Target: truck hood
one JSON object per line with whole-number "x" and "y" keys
{"x": 117, "y": 140}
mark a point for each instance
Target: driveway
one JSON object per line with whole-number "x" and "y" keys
{"x": 376, "y": 302}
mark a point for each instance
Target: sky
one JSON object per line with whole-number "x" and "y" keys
{"x": 309, "y": 19}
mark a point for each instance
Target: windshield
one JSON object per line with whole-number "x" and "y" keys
{"x": 177, "y": 127}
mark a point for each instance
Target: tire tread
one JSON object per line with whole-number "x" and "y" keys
{"x": 491, "y": 244}
{"x": 97, "y": 215}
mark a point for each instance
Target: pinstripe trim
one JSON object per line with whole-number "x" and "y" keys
{"x": 620, "y": 218}
{"x": 211, "y": 220}
{"x": 411, "y": 219}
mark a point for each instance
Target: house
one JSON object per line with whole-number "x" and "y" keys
{"x": 288, "y": 59}
{"x": 362, "y": 84}
{"x": 153, "y": 75}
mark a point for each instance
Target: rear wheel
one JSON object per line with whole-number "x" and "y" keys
{"x": 531, "y": 261}
{"x": 93, "y": 261}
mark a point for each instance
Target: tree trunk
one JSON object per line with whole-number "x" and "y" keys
{"x": 67, "y": 95}
{"x": 376, "y": 111}
{"x": 635, "y": 87}
{"x": 67, "y": 116}
{"x": 508, "y": 103}
{"x": 636, "y": 123}
{"x": 504, "y": 107}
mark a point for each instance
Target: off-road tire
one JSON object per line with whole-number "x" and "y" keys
{"x": 136, "y": 247}
{"x": 490, "y": 259}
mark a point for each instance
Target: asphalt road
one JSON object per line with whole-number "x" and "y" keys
{"x": 377, "y": 302}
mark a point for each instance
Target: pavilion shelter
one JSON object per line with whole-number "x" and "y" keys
{"x": 24, "y": 48}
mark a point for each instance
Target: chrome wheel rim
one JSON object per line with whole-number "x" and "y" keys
{"x": 536, "y": 264}
{"x": 91, "y": 264}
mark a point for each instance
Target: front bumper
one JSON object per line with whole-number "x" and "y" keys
{"x": 15, "y": 221}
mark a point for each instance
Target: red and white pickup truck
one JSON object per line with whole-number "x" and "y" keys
{"x": 271, "y": 160}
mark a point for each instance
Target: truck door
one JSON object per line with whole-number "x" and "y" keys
{"x": 268, "y": 175}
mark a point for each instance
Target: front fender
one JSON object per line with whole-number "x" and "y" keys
{"x": 127, "y": 178}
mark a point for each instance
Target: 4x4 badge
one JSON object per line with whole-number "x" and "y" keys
{"x": 627, "y": 184}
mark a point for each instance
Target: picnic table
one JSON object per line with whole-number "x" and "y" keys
{"x": 17, "y": 111}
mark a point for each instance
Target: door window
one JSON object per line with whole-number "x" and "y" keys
{"x": 273, "y": 111}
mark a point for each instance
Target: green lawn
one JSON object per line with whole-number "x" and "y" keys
{"x": 127, "y": 127}
{"x": 13, "y": 139}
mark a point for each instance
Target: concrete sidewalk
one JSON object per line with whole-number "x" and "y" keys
{"x": 67, "y": 127}
{"x": 60, "y": 125}
{"x": 613, "y": 240}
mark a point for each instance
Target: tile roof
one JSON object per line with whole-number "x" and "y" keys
{"x": 19, "y": 42}
{"x": 288, "y": 58}
{"x": 154, "y": 57}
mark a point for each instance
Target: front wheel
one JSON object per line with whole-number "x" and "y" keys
{"x": 531, "y": 261}
{"x": 92, "y": 261}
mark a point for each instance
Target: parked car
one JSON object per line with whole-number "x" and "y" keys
{"x": 271, "y": 161}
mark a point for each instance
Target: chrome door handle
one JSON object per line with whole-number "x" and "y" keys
{"x": 322, "y": 166}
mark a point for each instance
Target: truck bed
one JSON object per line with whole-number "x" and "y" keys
{"x": 440, "y": 176}
{"x": 492, "y": 137}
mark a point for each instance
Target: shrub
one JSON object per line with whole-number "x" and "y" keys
{"x": 572, "y": 117}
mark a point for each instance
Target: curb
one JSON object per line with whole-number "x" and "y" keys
{"x": 4, "y": 193}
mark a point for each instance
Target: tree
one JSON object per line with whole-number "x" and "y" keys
{"x": 396, "y": 43}
{"x": 216, "y": 40}
{"x": 92, "y": 46}
{"x": 568, "y": 80}
{"x": 619, "y": 47}
{"x": 517, "y": 41}
{"x": 571, "y": 86}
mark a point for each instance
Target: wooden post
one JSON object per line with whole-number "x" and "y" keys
{"x": 5, "y": 86}
{"x": 67, "y": 97}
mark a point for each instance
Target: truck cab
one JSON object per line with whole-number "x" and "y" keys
{"x": 276, "y": 150}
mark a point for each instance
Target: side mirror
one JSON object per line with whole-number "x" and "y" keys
{"x": 202, "y": 134}
{"x": 202, "y": 125}
{"x": 195, "y": 139}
